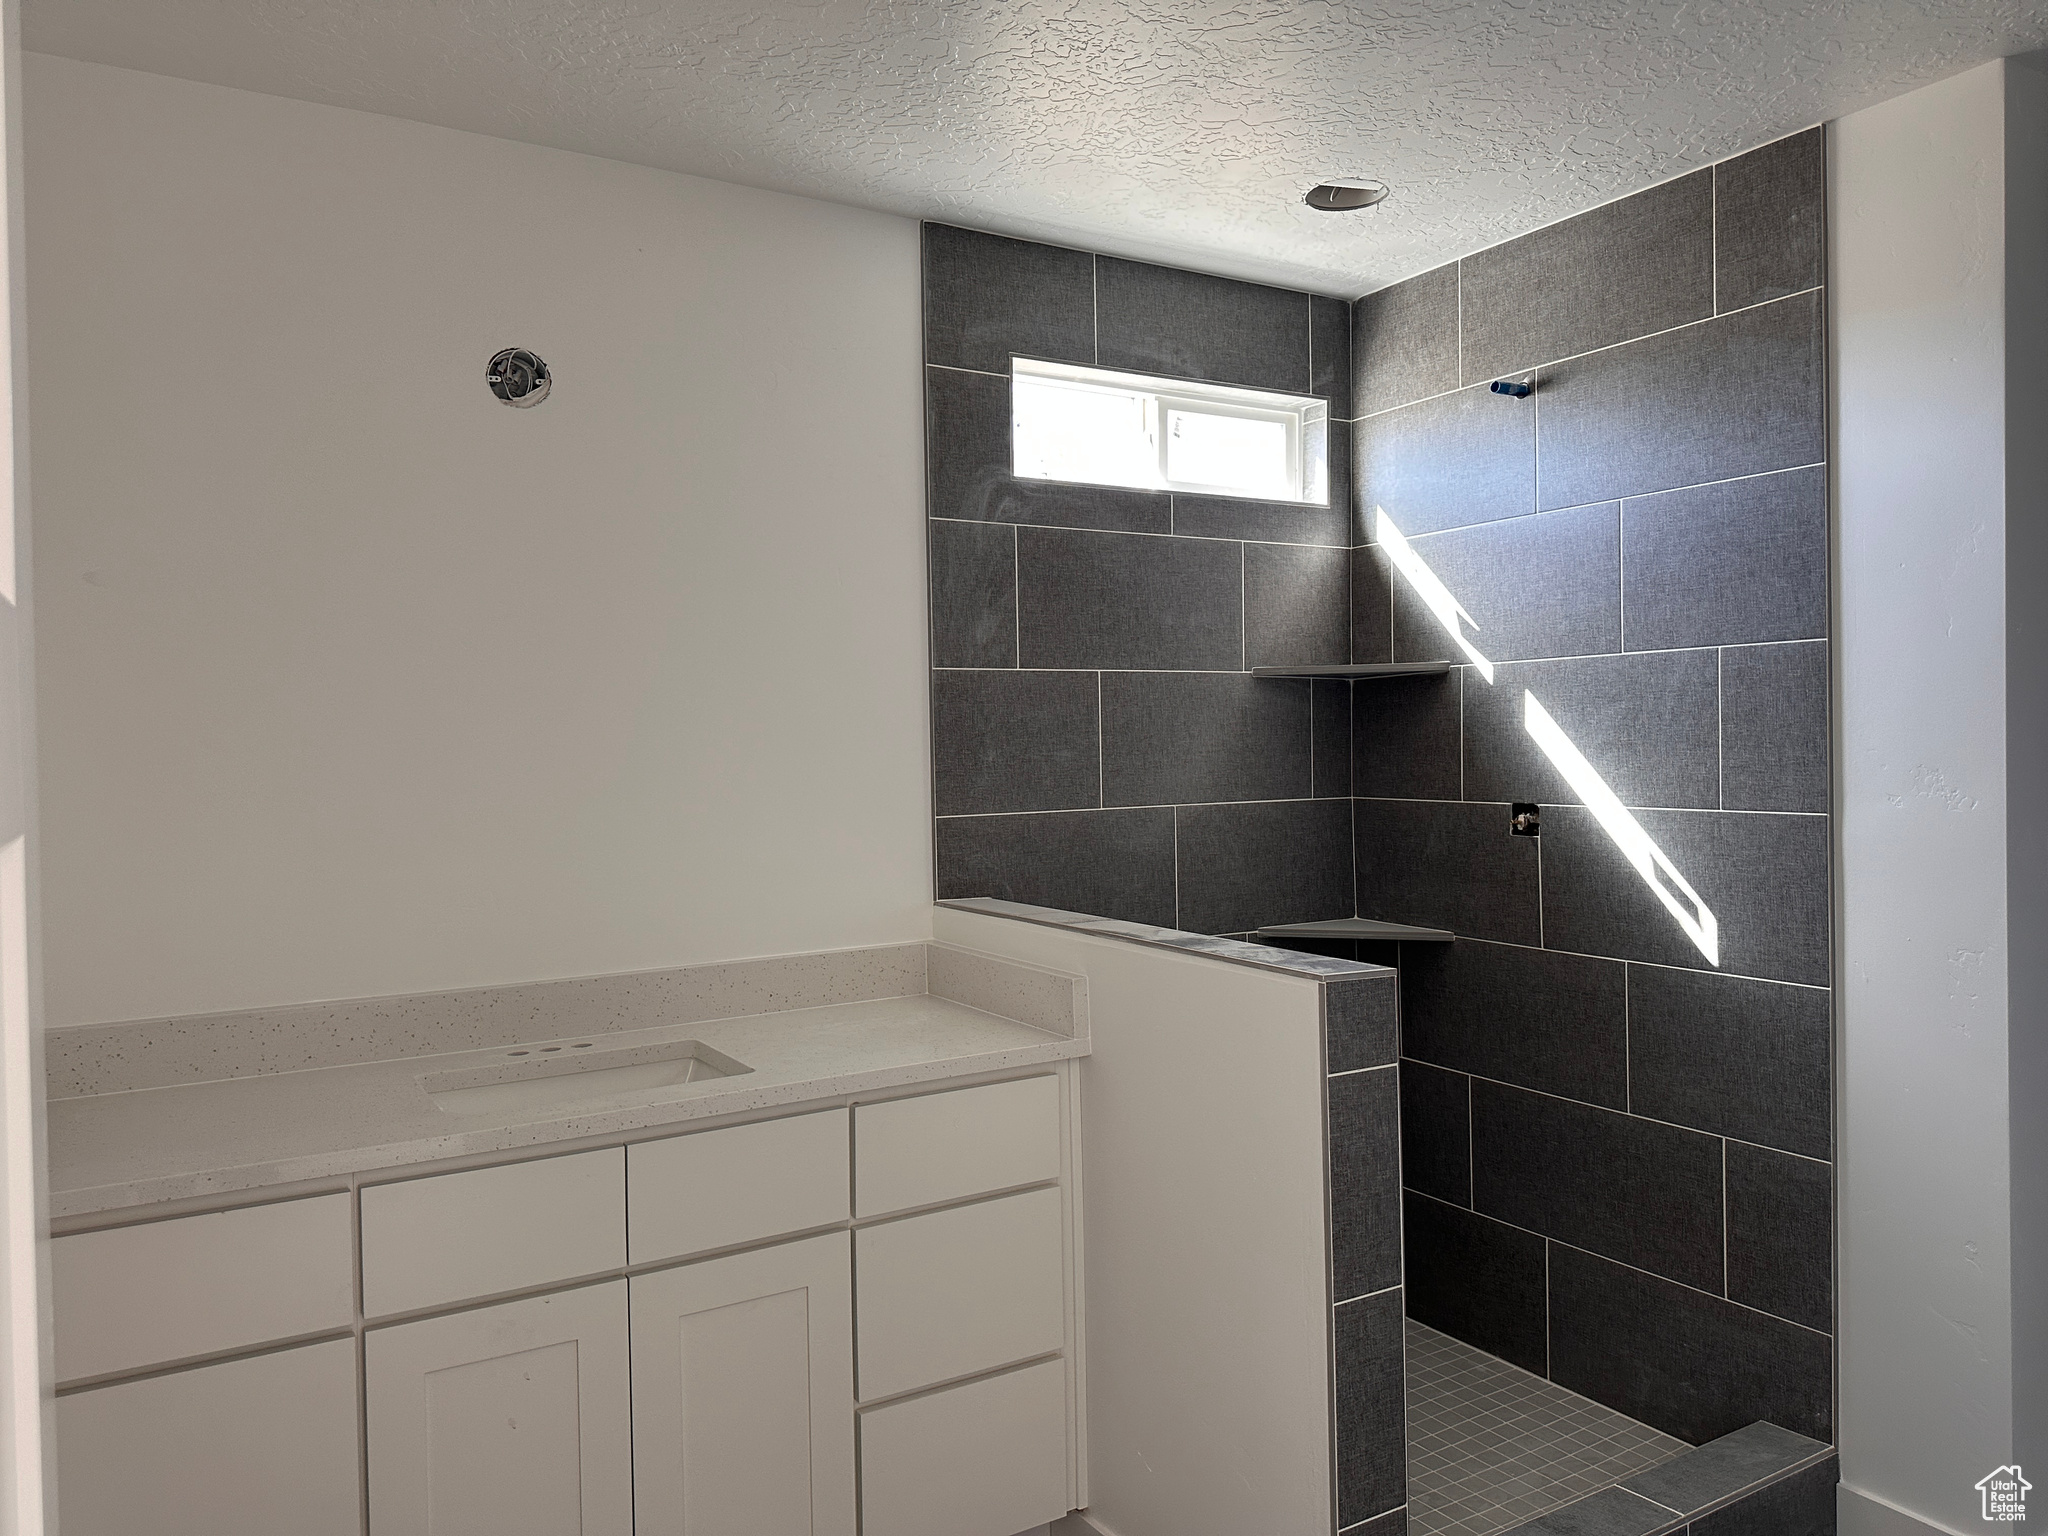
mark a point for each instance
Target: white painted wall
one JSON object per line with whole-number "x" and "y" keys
{"x": 353, "y": 680}
{"x": 1206, "y": 1271}
{"x": 1941, "y": 788}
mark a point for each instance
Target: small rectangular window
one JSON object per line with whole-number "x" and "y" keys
{"x": 1097, "y": 427}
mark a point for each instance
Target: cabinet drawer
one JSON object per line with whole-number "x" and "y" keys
{"x": 715, "y": 1189}
{"x": 463, "y": 1235}
{"x": 960, "y": 1291}
{"x": 986, "y": 1459}
{"x": 946, "y": 1146}
{"x": 246, "y": 1448}
{"x": 200, "y": 1285}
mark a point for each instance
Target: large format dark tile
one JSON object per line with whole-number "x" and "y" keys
{"x": 1329, "y": 341}
{"x": 1372, "y": 1440}
{"x": 1800, "y": 1505}
{"x": 987, "y": 299}
{"x": 1535, "y": 586}
{"x": 1533, "y": 1017}
{"x": 1405, "y": 737}
{"x": 967, "y": 454}
{"x": 1770, "y": 221}
{"x": 1404, "y": 341}
{"x": 1189, "y": 325}
{"x": 1735, "y": 396}
{"x": 1360, "y": 1022}
{"x": 1277, "y": 522}
{"x": 1477, "y": 1280}
{"x": 974, "y": 594}
{"x": 1722, "y": 1468}
{"x": 1372, "y": 607}
{"x": 1731, "y": 1056}
{"x": 1774, "y": 727}
{"x": 1447, "y": 866}
{"x": 1436, "y": 1132}
{"x": 1330, "y": 724}
{"x": 1693, "y": 1366}
{"x": 1297, "y": 605}
{"x": 1781, "y": 1235}
{"x": 1172, "y": 738}
{"x": 1610, "y": 1512}
{"x": 1728, "y": 564}
{"x": 1365, "y": 1182}
{"x": 1639, "y": 1192}
{"x": 1764, "y": 877}
{"x": 1014, "y": 741}
{"x": 1448, "y": 462}
{"x": 1119, "y": 600}
{"x": 1648, "y": 725}
{"x": 1641, "y": 264}
{"x": 1106, "y": 863}
{"x": 1244, "y": 866}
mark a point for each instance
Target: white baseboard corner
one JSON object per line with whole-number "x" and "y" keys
{"x": 1078, "y": 1523}
{"x": 1865, "y": 1514}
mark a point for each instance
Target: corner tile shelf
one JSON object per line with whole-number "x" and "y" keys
{"x": 1358, "y": 928}
{"x": 1360, "y": 671}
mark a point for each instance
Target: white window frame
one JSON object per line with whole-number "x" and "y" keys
{"x": 1305, "y": 418}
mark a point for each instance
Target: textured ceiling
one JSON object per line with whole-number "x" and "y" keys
{"x": 1183, "y": 130}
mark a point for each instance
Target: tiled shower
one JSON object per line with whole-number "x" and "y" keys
{"x": 1616, "y": 1126}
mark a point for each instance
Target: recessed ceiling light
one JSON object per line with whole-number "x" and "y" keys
{"x": 1345, "y": 194}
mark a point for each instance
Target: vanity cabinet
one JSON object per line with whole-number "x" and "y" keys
{"x": 659, "y": 1338}
{"x": 742, "y": 1391}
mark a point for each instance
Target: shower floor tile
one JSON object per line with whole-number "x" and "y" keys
{"x": 1490, "y": 1446}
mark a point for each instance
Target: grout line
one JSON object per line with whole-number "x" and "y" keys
{"x": 1724, "y": 1216}
{"x": 1095, "y": 307}
{"x": 978, "y": 372}
{"x": 1163, "y": 805}
{"x": 1621, "y": 564}
{"x": 1176, "y": 869}
{"x": 1461, "y": 327}
{"x": 1528, "y": 661}
{"x": 1540, "y": 944}
{"x": 1720, "y": 749}
{"x": 1242, "y": 665}
{"x": 1461, "y": 751}
{"x": 1605, "y": 1109}
{"x": 1546, "y": 1309}
{"x": 1101, "y": 792}
{"x": 1572, "y": 357}
{"x": 1368, "y": 1296}
{"x": 1578, "y": 805}
{"x": 1312, "y": 739}
{"x": 1628, "y": 1068}
{"x": 1804, "y": 986}
{"x": 1579, "y": 506}
{"x": 1714, "y": 236}
{"x": 1016, "y": 596}
{"x": 1146, "y": 533}
{"x": 1385, "y": 1066}
{"x": 1623, "y": 1264}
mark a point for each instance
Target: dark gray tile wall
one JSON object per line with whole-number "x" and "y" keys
{"x": 1097, "y": 743}
{"x": 1617, "y": 1152}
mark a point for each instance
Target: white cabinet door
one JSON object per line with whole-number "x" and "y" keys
{"x": 247, "y": 1448}
{"x": 513, "y": 1420}
{"x": 986, "y": 1459}
{"x": 743, "y": 1394}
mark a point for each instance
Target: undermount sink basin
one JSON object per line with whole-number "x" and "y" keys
{"x": 540, "y": 1078}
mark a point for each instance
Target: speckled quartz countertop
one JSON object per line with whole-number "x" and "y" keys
{"x": 186, "y": 1140}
